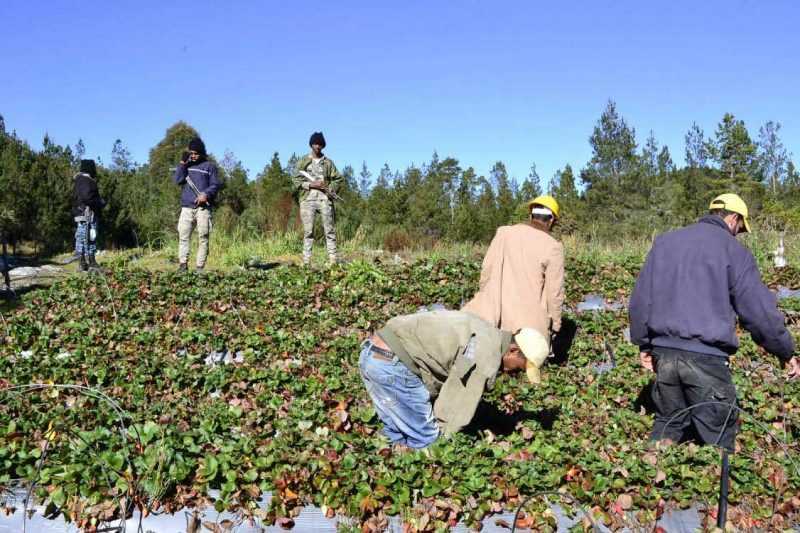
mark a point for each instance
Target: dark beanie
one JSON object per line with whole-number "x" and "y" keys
{"x": 317, "y": 138}
{"x": 88, "y": 167}
{"x": 196, "y": 145}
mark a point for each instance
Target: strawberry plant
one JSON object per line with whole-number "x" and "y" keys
{"x": 248, "y": 382}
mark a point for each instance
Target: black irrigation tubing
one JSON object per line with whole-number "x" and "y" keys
{"x": 121, "y": 414}
{"x": 105, "y": 468}
{"x": 550, "y": 493}
{"x": 750, "y": 418}
{"x": 32, "y": 485}
{"x": 731, "y": 408}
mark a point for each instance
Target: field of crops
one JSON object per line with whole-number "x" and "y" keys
{"x": 248, "y": 382}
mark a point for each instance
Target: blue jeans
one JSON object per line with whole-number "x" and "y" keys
{"x": 83, "y": 244}
{"x": 400, "y": 399}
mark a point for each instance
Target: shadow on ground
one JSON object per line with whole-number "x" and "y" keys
{"x": 265, "y": 266}
{"x": 563, "y": 341}
{"x": 488, "y": 416}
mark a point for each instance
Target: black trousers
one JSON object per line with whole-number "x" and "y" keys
{"x": 684, "y": 379}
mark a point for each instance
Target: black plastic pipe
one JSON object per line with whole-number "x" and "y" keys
{"x": 722, "y": 510}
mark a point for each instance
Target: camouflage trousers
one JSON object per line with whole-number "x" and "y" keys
{"x": 188, "y": 219}
{"x": 308, "y": 209}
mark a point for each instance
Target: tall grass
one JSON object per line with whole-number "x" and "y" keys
{"x": 239, "y": 249}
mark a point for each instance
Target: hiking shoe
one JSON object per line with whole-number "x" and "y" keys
{"x": 83, "y": 266}
{"x": 200, "y": 268}
{"x": 183, "y": 267}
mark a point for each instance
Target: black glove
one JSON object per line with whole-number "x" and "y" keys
{"x": 185, "y": 157}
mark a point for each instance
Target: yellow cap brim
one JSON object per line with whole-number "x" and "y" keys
{"x": 533, "y": 373}
{"x": 746, "y": 224}
{"x": 535, "y": 348}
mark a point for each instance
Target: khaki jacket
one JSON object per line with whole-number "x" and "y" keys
{"x": 332, "y": 178}
{"x": 522, "y": 281}
{"x": 457, "y": 355}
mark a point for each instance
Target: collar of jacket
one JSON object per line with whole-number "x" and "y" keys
{"x": 716, "y": 221}
{"x": 505, "y": 341}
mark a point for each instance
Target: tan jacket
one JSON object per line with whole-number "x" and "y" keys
{"x": 456, "y": 355}
{"x": 522, "y": 281}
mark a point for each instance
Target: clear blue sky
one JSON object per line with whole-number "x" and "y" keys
{"x": 520, "y": 82}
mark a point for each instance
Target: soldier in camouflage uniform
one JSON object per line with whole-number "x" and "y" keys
{"x": 317, "y": 181}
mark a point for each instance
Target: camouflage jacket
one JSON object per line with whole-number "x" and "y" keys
{"x": 331, "y": 176}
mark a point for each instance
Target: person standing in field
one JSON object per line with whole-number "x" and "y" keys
{"x": 316, "y": 181}
{"x": 87, "y": 204}
{"x": 522, "y": 278}
{"x": 694, "y": 283}
{"x": 198, "y": 178}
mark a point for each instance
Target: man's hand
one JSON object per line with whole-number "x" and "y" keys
{"x": 319, "y": 184}
{"x": 793, "y": 368}
{"x": 646, "y": 359}
{"x": 184, "y": 158}
{"x": 202, "y": 199}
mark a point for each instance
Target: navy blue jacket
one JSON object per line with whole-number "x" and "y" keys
{"x": 694, "y": 283}
{"x": 204, "y": 176}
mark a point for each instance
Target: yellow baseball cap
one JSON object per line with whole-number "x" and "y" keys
{"x": 733, "y": 203}
{"x": 535, "y": 348}
{"x": 546, "y": 201}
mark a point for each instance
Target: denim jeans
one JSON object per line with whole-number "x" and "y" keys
{"x": 686, "y": 379}
{"x": 84, "y": 245}
{"x": 400, "y": 399}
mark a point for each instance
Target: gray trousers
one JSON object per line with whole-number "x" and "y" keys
{"x": 188, "y": 219}
{"x": 308, "y": 209}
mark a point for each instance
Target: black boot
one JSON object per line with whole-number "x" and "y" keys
{"x": 93, "y": 264}
{"x": 83, "y": 266}
{"x": 183, "y": 267}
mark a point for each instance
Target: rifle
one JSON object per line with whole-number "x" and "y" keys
{"x": 325, "y": 190}
{"x": 192, "y": 186}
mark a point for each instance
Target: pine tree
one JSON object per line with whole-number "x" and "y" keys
{"x": 466, "y": 223}
{"x": 696, "y": 151}
{"x": 79, "y": 150}
{"x": 364, "y": 180}
{"x": 772, "y": 156}
{"x": 235, "y": 191}
{"x": 276, "y": 210}
{"x": 612, "y": 177}
{"x": 563, "y": 189}
{"x": 121, "y": 157}
{"x": 735, "y": 153}
{"x": 506, "y": 200}
{"x": 380, "y": 209}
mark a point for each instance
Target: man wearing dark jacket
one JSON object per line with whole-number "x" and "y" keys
{"x": 198, "y": 177}
{"x": 86, "y": 207}
{"x": 683, "y": 310}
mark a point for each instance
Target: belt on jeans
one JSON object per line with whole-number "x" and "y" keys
{"x": 379, "y": 353}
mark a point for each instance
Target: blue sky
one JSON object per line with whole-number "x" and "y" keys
{"x": 520, "y": 82}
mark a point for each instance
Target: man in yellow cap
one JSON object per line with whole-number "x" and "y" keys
{"x": 522, "y": 277}
{"x": 683, "y": 309}
{"x": 426, "y": 372}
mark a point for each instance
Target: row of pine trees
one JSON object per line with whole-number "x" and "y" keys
{"x": 625, "y": 189}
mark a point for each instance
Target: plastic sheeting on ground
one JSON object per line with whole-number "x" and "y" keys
{"x": 595, "y": 302}
{"x": 311, "y": 519}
